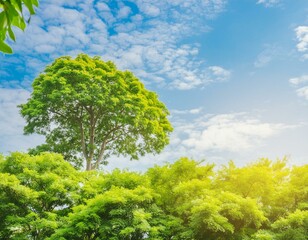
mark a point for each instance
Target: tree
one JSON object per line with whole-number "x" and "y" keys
{"x": 44, "y": 197}
{"x": 11, "y": 14}
{"x": 270, "y": 189}
{"x": 186, "y": 191}
{"x": 88, "y": 109}
{"x": 118, "y": 213}
{"x": 165, "y": 179}
{"x": 35, "y": 192}
{"x": 293, "y": 226}
{"x": 298, "y": 189}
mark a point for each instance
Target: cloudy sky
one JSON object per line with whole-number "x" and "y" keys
{"x": 234, "y": 74}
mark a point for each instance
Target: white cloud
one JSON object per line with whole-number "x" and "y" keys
{"x": 144, "y": 38}
{"x": 298, "y": 82}
{"x": 102, "y": 7}
{"x": 226, "y": 132}
{"x": 123, "y": 12}
{"x": 6, "y": 84}
{"x": 11, "y": 123}
{"x": 269, "y": 3}
{"x": 189, "y": 111}
{"x": 45, "y": 48}
{"x": 219, "y": 73}
{"x": 302, "y": 37}
{"x": 150, "y": 10}
{"x": 214, "y": 137}
{"x": 267, "y": 55}
{"x": 303, "y": 92}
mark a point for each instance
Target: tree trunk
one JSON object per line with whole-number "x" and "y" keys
{"x": 88, "y": 167}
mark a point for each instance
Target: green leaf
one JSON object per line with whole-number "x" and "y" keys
{"x": 2, "y": 35}
{"x": 35, "y": 3}
{"x": 11, "y": 34}
{"x": 3, "y": 21}
{"x": 29, "y": 5}
{"x": 19, "y": 22}
{"x": 5, "y": 48}
{"x": 11, "y": 12}
{"x": 17, "y": 4}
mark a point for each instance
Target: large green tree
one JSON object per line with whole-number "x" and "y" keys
{"x": 88, "y": 110}
{"x": 12, "y": 14}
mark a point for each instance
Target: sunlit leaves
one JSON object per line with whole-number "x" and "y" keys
{"x": 293, "y": 226}
{"x": 118, "y": 213}
{"x": 43, "y": 197}
{"x": 88, "y": 109}
{"x": 264, "y": 180}
{"x": 12, "y": 14}
{"x": 34, "y": 192}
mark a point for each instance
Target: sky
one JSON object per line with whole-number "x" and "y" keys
{"x": 233, "y": 73}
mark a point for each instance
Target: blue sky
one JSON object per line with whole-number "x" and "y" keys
{"x": 234, "y": 74}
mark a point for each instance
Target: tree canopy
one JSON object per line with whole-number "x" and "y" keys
{"x": 89, "y": 110}
{"x": 12, "y": 14}
{"x": 44, "y": 197}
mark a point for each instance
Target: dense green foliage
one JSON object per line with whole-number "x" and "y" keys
{"x": 11, "y": 14}
{"x": 89, "y": 110}
{"x": 43, "y": 197}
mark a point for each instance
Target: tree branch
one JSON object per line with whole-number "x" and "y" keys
{"x": 101, "y": 154}
{"x": 92, "y": 133}
{"x": 83, "y": 143}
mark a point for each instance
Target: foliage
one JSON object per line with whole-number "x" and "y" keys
{"x": 118, "y": 213}
{"x": 186, "y": 191}
{"x": 293, "y": 226}
{"x": 34, "y": 192}
{"x": 12, "y": 14}
{"x": 264, "y": 180}
{"x": 44, "y": 197}
{"x": 87, "y": 107}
